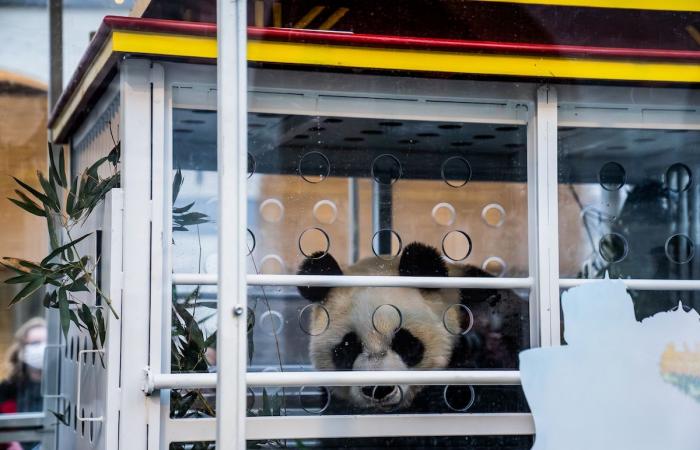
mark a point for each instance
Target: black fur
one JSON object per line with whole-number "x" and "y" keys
{"x": 347, "y": 351}
{"x": 420, "y": 260}
{"x": 318, "y": 263}
{"x": 409, "y": 347}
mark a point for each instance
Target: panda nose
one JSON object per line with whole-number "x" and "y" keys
{"x": 378, "y": 392}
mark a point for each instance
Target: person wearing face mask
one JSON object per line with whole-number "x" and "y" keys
{"x": 21, "y": 390}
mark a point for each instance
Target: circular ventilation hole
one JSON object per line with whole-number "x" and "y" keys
{"x": 271, "y": 210}
{"x": 493, "y": 214}
{"x": 494, "y": 265}
{"x": 390, "y": 124}
{"x": 250, "y": 400}
{"x": 314, "y": 242}
{"x": 450, "y": 126}
{"x": 680, "y": 249}
{"x": 272, "y": 265}
{"x": 314, "y": 319}
{"x": 271, "y": 322}
{"x": 458, "y": 319}
{"x": 332, "y": 120}
{"x": 325, "y": 212}
{"x": 612, "y": 176}
{"x": 484, "y": 137}
{"x": 314, "y": 167}
{"x": 387, "y": 319}
{"x": 428, "y": 135}
{"x": 314, "y": 399}
{"x": 508, "y": 128}
{"x": 613, "y": 247}
{"x": 409, "y": 141}
{"x": 386, "y": 244}
{"x": 456, "y": 245}
{"x": 678, "y": 177}
{"x": 250, "y": 242}
{"x": 444, "y": 214}
{"x": 456, "y": 171}
{"x": 459, "y": 398}
{"x": 386, "y": 169}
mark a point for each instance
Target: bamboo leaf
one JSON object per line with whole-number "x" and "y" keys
{"x": 63, "y": 248}
{"x": 54, "y": 172}
{"x": 101, "y": 329}
{"x": 182, "y": 209}
{"x": 50, "y": 191}
{"x": 177, "y": 184}
{"x": 62, "y": 168}
{"x": 39, "y": 196}
{"x": 28, "y": 290}
{"x": 31, "y": 206}
{"x": 64, "y": 311}
{"x": 72, "y": 197}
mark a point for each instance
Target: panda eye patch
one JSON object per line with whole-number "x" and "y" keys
{"x": 347, "y": 351}
{"x": 408, "y": 347}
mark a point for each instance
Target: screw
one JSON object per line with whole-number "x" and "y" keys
{"x": 238, "y": 311}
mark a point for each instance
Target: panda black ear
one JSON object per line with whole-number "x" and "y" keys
{"x": 420, "y": 260}
{"x": 318, "y": 264}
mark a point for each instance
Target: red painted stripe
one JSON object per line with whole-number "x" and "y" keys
{"x": 350, "y": 39}
{"x": 311, "y": 36}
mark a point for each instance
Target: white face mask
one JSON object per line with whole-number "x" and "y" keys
{"x": 33, "y": 355}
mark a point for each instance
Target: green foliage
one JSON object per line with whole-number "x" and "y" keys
{"x": 64, "y": 271}
{"x": 182, "y": 216}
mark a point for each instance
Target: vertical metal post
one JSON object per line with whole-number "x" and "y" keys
{"x": 547, "y": 182}
{"x": 232, "y": 166}
{"x": 135, "y": 137}
{"x": 55, "y": 51}
{"x": 532, "y": 229}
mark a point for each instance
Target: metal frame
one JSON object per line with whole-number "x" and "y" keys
{"x": 232, "y": 156}
{"x": 484, "y": 102}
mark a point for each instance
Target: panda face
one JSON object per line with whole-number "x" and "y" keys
{"x": 383, "y": 328}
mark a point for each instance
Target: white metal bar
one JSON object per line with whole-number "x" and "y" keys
{"x": 310, "y": 427}
{"x": 232, "y": 160}
{"x": 532, "y": 226}
{"x": 547, "y": 270}
{"x": 346, "y": 378}
{"x": 161, "y": 288}
{"x": 361, "y": 280}
{"x": 356, "y": 426}
{"x": 640, "y": 285}
{"x": 135, "y": 136}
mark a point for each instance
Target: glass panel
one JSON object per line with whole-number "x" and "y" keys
{"x": 629, "y": 203}
{"x": 330, "y": 194}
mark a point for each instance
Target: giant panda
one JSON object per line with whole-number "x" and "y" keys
{"x": 423, "y": 329}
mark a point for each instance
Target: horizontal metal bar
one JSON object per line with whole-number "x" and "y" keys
{"x": 347, "y": 378}
{"x": 640, "y": 285}
{"x": 358, "y": 426}
{"x": 361, "y": 280}
{"x": 13, "y": 421}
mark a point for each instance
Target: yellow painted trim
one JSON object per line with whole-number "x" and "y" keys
{"x": 656, "y": 5}
{"x": 164, "y": 44}
{"x": 486, "y": 64}
{"x": 412, "y": 60}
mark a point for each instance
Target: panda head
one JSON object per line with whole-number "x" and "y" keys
{"x": 377, "y": 328}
